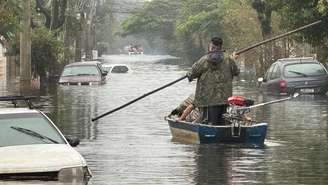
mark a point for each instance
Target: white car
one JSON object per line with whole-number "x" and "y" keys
{"x": 33, "y": 148}
{"x": 116, "y": 68}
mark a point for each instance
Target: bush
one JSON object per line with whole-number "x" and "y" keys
{"x": 46, "y": 53}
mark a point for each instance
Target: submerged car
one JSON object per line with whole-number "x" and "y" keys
{"x": 116, "y": 68}
{"x": 288, "y": 75}
{"x": 33, "y": 148}
{"x": 83, "y": 73}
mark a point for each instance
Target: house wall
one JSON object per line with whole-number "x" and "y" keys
{"x": 2, "y": 66}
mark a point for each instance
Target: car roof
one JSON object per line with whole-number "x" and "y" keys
{"x": 297, "y": 60}
{"x": 17, "y": 111}
{"x": 113, "y": 65}
{"x": 85, "y": 63}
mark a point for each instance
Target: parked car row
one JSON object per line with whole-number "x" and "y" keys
{"x": 290, "y": 75}
{"x": 32, "y": 146}
{"x": 89, "y": 73}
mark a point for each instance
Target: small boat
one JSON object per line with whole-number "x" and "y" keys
{"x": 237, "y": 127}
{"x": 202, "y": 133}
{"x": 136, "y": 53}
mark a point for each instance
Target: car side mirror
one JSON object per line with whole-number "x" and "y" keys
{"x": 104, "y": 73}
{"x": 73, "y": 141}
{"x": 261, "y": 79}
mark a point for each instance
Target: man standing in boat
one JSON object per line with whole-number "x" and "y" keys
{"x": 214, "y": 73}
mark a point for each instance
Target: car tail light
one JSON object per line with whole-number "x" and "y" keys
{"x": 282, "y": 86}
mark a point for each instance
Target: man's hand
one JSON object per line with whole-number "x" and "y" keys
{"x": 234, "y": 56}
{"x": 189, "y": 76}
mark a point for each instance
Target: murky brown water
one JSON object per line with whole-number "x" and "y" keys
{"x": 133, "y": 145}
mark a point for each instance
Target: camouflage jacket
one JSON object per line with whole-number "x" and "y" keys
{"x": 214, "y": 80}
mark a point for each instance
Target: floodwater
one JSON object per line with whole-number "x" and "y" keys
{"x": 134, "y": 145}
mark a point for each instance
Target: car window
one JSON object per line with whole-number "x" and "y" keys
{"x": 9, "y": 136}
{"x": 120, "y": 69}
{"x": 269, "y": 72}
{"x": 275, "y": 72}
{"x": 80, "y": 70}
{"x": 101, "y": 68}
{"x": 106, "y": 68}
{"x": 304, "y": 70}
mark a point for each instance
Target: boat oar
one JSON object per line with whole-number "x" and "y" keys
{"x": 271, "y": 102}
{"x": 130, "y": 102}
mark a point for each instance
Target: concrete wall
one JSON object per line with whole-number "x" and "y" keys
{"x": 2, "y": 66}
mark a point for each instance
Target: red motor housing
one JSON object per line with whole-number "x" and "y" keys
{"x": 237, "y": 100}
{"x": 240, "y": 101}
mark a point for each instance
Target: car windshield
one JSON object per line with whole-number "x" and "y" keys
{"x": 80, "y": 71}
{"x": 304, "y": 70}
{"x": 27, "y": 129}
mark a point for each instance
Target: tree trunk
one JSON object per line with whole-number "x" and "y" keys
{"x": 264, "y": 13}
{"x": 68, "y": 36}
{"x": 78, "y": 47}
{"x": 25, "y": 45}
{"x": 90, "y": 31}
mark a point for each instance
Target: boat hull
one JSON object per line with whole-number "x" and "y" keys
{"x": 201, "y": 133}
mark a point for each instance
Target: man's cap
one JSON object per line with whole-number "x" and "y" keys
{"x": 217, "y": 41}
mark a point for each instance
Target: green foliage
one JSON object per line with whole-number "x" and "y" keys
{"x": 301, "y": 12}
{"x": 46, "y": 52}
{"x": 296, "y": 13}
{"x": 9, "y": 18}
{"x": 187, "y": 25}
{"x": 197, "y": 17}
{"x": 155, "y": 20}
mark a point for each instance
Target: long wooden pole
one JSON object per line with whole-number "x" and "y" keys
{"x": 139, "y": 98}
{"x": 277, "y": 37}
{"x": 181, "y": 78}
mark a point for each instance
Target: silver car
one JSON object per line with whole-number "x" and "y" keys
{"x": 288, "y": 75}
{"x": 83, "y": 73}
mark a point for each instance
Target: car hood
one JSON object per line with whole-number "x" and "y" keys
{"x": 38, "y": 158}
{"x": 79, "y": 79}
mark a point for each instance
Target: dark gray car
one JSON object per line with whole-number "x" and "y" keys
{"x": 289, "y": 75}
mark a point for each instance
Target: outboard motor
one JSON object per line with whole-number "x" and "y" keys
{"x": 238, "y": 107}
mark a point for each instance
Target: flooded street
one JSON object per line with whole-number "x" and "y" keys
{"x": 134, "y": 146}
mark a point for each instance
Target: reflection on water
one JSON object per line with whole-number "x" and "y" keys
{"x": 133, "y": 145}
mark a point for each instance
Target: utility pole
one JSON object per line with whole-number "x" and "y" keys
{"x": 90, "y": 30}
{"x": 25, "y": 45}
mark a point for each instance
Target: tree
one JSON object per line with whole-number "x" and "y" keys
{"x": 9, "y": 20}
{"x": 54, "y": 12}
{"x": 155, "y": 22}
{"x": 187, "y": 25}
{"x": 297, "y": 13}
{"x": 46, "y": 53}
{"x": 198, "y": 21}
{"x": 107, "y": 26}
{"x": 265, "y": 9}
